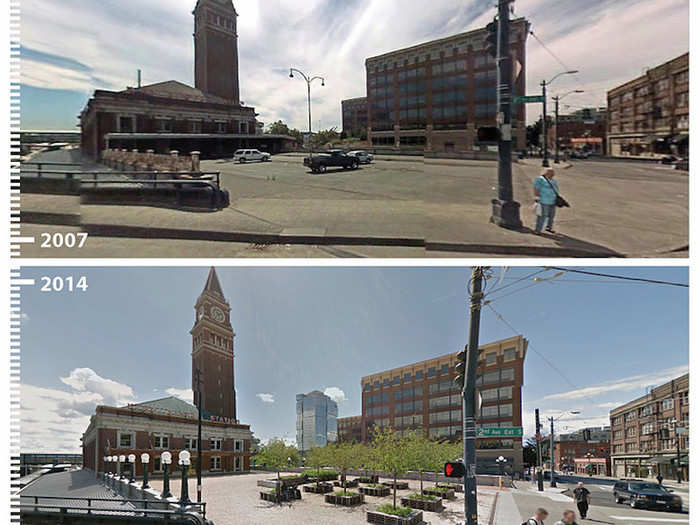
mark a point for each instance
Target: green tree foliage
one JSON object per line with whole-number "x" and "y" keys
{"x": 393, "y": 453}
{"x": 318, "y": 457}
{"x": 276, "y": 454}
{"x": 280, "y": 128}
{"x": 324, "y": 137}
{"x": 344, "y": 456}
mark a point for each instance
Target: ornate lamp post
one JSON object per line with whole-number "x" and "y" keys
{"x": 132, "y": 460}
{"x": 166, "y": 459}
{"x": 184, "y": 462}
{"x": 122, "y": 459}
{"x": 145, "y": 458}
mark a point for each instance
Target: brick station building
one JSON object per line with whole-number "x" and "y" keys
{"x": 434, "y": 96}
{"x": 171, "y": 423}
{"x": 424, "y": 396}
{"x": 209, "y": 117}
{"x": 650, "y": 116}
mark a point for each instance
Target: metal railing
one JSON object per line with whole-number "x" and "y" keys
{"x": 210, "y": 178}
{"x": 140, "y": 506}
{"x": 40, "y": 165}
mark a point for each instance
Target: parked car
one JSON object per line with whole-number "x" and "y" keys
{"x": 332, "y": 158}
{"x": 363, "y": 156}
{"x": 249, "y": 155}
{"x": 646, "y": 495}
{"x": 669, "y": 159}
{"x": 576, "y": 154}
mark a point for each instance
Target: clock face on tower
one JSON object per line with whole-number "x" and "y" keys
{"x": 217, "y": 314}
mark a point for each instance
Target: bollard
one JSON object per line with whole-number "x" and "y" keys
{"x": 195, "y": 161}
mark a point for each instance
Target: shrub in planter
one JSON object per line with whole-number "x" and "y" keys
{"x": 327, "y": 475}
{"x": 369, "y": 479}
{"x": 390, "y": 515}
{"x": 346, "y": 498}
{"x": 320, "y": 488}
{"x": 399, "y": 485}
{"x": 442, "y": 492}
{"x": 454, "y": 486}
{"x": 422, "y": 502}
{"x": 348, "y": 483}
{"x": 375, "y": 490}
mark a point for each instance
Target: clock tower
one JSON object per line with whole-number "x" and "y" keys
{"x": 216, "y": 49}
{"x": 212, "y": 351}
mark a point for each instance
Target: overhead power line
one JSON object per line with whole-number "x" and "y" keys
{"x": 622, "y": 277}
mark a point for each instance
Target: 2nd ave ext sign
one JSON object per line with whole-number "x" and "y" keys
{"x": 528, "y": 99}
{"x": 499, "y": 432}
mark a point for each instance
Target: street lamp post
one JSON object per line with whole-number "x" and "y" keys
{"x": 679, "y": 477}
{"x": 122, "y": 459}
{"x": 309, "y": 81}
{"x": 544, "y": 84}
{"x": 501, "y": 461}
{"x": 165, "y": 459}
{"x": 184, "y": 462}
{"x": 132, "y": 460}
{"x": 145, "y": 458}
{"x": 556, "y": 122}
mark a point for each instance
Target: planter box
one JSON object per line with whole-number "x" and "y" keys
{"x": 323, "y": 488}
{"x": 371, "y": 491}
{"x": 400, "y": 485}
{"x": 346, "y": 501}
{"x": 266, "y": 496}
{"x": 349, "y": 483}
{"x": 293, "y": 482}
{"x": 447, "y": 494}
{"x": 416, "y": 518}
{"x": 368, "y": 479}
{"x": 455, "y": 487}
{"x": 421, "y": 504}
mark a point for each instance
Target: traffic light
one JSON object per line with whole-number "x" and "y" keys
{"x": 485, "y": 135}
{"x": 461, "y": 368}
{"x": 492, "y": 38}
{"x": 454, "y": 469}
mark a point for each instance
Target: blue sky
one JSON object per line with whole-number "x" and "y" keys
{"x": 298, "y": 329}
{"x": 72, "y": 47}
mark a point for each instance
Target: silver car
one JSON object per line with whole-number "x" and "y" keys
{"x": 363, "y": 156}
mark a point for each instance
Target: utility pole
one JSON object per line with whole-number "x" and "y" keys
{"x": 545, "y": 160}
{"x": 469, "y": 399}
{"x": 556, "y": 129}
{"x": 552, "y": 482}
{"x": 199, "y": 436}
{"x": 540, "y": 481}
{"x": 506, "y": 211}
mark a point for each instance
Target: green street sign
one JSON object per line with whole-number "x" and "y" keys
{"x": 528, "y": 99}
{"x": 499, "y": 432}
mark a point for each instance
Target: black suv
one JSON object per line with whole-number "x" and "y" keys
{"x": 646, "y": 495}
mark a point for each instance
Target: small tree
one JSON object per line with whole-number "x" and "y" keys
{"x": 277, "y": 454}
{"x": 344, "y": 456}
{"x": 444, "y": 452}
{"x": 393, "y": 454}
{"x": 318, "y": 457}
{"x": 422, "y": 454}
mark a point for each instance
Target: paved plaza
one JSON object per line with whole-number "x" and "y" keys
{"x": 395, "y": 207}
{"x": 232, "y": 500}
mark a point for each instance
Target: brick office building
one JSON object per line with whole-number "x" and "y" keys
{"x": 350, "y": 429}
{"x": 424, "y": 396}
{"x": 170, "y": 115}
{"x": 649, "y": 116}
{"x": 583, "y": 130}
{"x": 170, "y": 423}
{"x": 434, "y": 96}
{"x": 649, "y": 433}
{"x": 355, "y": 117}
{"x": 569, "y": 447}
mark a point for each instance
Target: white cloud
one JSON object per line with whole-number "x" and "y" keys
{"x": 53, "y": 420}
{"x": 266, "y": 398}
{"x": 185, "y": 394}
{"x": 335, "y": 393}
{"x": 111, "y": 392}
{"x": 627, "y": 384}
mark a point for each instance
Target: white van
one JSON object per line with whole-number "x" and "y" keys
{"x": 249, "y": 155}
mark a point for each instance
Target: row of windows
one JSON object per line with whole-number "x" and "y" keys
{"x": 449, "y": 416}
{"x": 496, "y": 376}
{"x": 493, "y": 376}
{"x": 162, "y": 442}
{"x": 657, "y": 87}
{"x": 497, "y": 411}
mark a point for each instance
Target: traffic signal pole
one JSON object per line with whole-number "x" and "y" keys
{"x": 545, "y": 151}
{"x": 540, "y": 481}
{"x": 469, "y": 399}
{"x": 506, "y": 211}
{"x": 552, "y": 482}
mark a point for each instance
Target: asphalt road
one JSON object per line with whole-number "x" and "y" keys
{"x": 603, "y": 508}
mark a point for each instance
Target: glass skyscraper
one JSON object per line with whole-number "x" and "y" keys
{"x": 317, "y": 420}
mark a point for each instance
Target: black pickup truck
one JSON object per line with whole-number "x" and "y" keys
{"x": 332, "y": 158}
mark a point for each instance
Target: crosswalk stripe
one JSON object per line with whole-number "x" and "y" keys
{"x": 654, "y": 520}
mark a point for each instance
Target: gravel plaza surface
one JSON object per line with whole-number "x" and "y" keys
{"x": 235, "y": 500}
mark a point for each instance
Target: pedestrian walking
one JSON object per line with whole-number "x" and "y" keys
{"x": 660, "y": 478}
{"x": 582, "y": 497}
{"x": 568, "y": 518}
{"x": 547, "y": 199}
{"x": 539, "y": 517}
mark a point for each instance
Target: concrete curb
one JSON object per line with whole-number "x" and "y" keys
{"x": 110, "y": 230}
{"x": 54, "y": 219}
